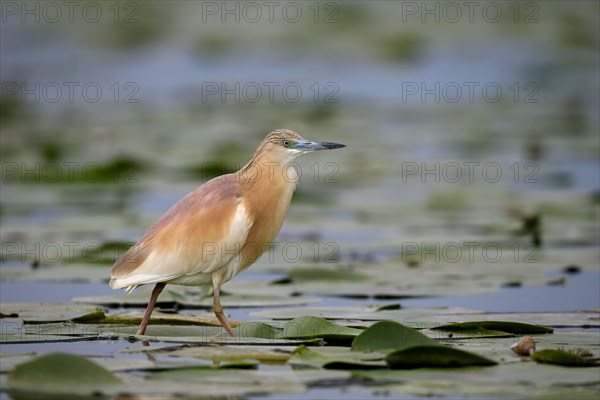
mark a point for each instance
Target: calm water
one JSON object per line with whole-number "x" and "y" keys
{"x": 369, "y": 58}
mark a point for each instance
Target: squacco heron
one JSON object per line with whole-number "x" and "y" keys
{"x": 219, "y": 229}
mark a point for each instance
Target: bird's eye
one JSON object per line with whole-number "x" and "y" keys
{"x": 286, "y": 143}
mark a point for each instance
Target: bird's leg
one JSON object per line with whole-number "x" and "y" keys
{"x": 155, "y": 292}
{"x": 217, "y": 309}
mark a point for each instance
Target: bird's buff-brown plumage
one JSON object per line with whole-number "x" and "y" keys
{"x": 219, "y": 229}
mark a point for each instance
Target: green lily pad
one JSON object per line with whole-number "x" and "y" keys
{"x": 253, "y": 333}
{"x": 368, "y": 313}
{"x": 250, "y": 381}
{"x": 245, "y": 381}
{"x": 586, "y": 319}
{"x": 564, "y": 358}
{"x": 61, "y": 373}
{"x": 523, "y": 380}
{"x": 308, "y": 327}
{"x": 22, "y": 338}
{"x": 466, "y": 334}
{"x": 113, "y": 364}
{"x": 62, "y": 332}
{"x": 257, "y": 329}
{"x": 32, "y": 313}
{"x": 52, "y": 332}
{"x": 193, "y": 299}
{"x": 434, "y": 356}
{"x": 519, "y": 328}
{"x": 92, "y": 317}
{"x": 332, "y": 357}
{"x": 388, "y": 335}
{"x": 263, "y": 353}
{"x": 99, "y": 318}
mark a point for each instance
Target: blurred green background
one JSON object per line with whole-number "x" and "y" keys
{"x": 461, "y": 121}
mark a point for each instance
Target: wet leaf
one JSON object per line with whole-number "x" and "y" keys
{"x": 271, "y": 354}
{"x": 250, "y": 381}
{"x": 564, "y": 358}
{"x": 466, "y": 334}
{"x": 370, "y": 313}
{"x": 92, "y": 317}
{"x": 249, "y": 333}
{"x": 308, "y": 327}
{"x": 10, "y": 360}
{"x": 180, "y": 298}
{"x": 332, "y": 357}
{"x": 48, "y": 338}
{"x": 257, "y": 329}
{"x": 434, "y": 356}
{"x": 47, "y": 312}
{"x": 503, "y": 326}
{"x": 388, "y": 335}
{"x": 547, "y": 319}
{"x": 63, "y": 332}
{"x": 99, "y": 318}
{"x": 61, "y": 373}
{"x": 386, "y": 307}
{"x": 51, "y": 332}
{"x": 514, "y": 380}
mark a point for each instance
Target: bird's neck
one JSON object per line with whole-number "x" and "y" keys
{"x": 266, "y": 187}
{"x": 268, "y": 173}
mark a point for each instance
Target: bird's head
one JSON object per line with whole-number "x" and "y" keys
{"x": 286, "y": 145}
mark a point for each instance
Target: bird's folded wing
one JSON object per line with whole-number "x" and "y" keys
{"x": 198, "y": 235}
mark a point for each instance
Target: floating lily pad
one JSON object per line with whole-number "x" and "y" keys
{"x": 171, "y": 298}
{"x": 369, "y": 313}
{"x": 257, "y": 329}
{"x": 47, "y": 312}
{"x": 227, "y": 340}
{"x": 388, "y": 335}
{"x": 308, "y": 327}
{"x": 434, "y": 356}
{"x": 564, "y": 358}
{"x": 252, "y": 333}
{"x": 58, "y": 332}
{"x": 332, "y": 357}
{"x": 503, "y": 326}
{"x": 10, "y": 360}
{"x": 99, "y": 318}
{"x": 250, "y": 381}
{"x": 466, "y": 334}
{"x": 61, "y": 373}
{"x": 94, "y": 316}
{"x": 514, "y": 380}
{"x": 270, "y": 354}
{"x": 49, "y": 338}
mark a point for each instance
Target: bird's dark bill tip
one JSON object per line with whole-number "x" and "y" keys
{"x": 331, "y": 145}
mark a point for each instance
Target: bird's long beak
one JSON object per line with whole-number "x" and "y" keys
{"x": 312, "y": 145}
